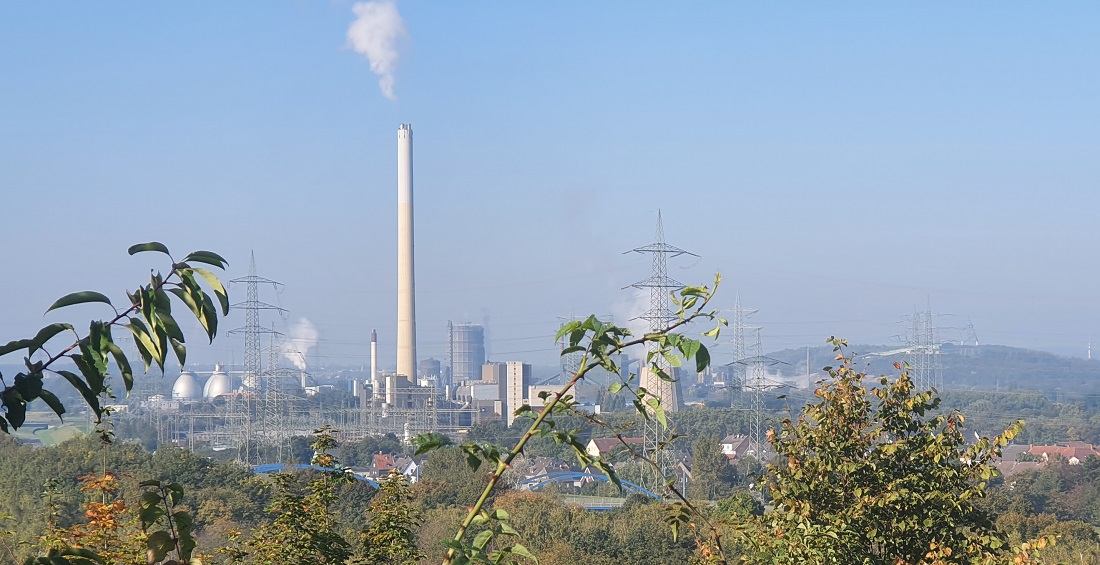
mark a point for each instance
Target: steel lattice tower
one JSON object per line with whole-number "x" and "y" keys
{"x": 277, "y": 399}
{"x": 252, "y": 353}
{"x": 659, "y": 316}
{"x": 924, "y": 353}
{"x": 740, "y": 314}
{"x": 756, "y": 383}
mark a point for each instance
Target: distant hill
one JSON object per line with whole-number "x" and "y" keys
{"x": 977, "y": 368}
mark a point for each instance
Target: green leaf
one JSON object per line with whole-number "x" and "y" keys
{"x": 615, "y": 387}
{"x": 145, "y": 342}
{"x": 87, "y": 368}
{"x": 209, "y": 318}
{"x": 175, "y": 491}
{"x": 46, "y": 334}
{"x": 90, "y": 397}
{"x": 216, "y": 285}
{"x": 482, "y": 539}
{"x": 159, "y": 544}
{"x": 52, "y": 401}
{"x": 429, "y": 442}
{"x": 189, "y": 300}
{"x": 79, "y": 298}
{"x": 150, "y": 246}
{"x": 182, "y": 519}
{"x": 164, "y": 319}
{"x": 16, "y": 410}
{"x": 208, "y": 257}
{"x": 522, "y": 551}
{"x": 180, "y": 350}
{"x": 566, "y": 328}
{"x": 702, "y": 359}
{"x": 123, "y": 365}
{"x": 16, "y": 346}
{"x": 660, "y": 414}
{"x": 689, "y": 347}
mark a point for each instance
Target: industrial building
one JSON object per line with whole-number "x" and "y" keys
{"x": 465, "y": 351}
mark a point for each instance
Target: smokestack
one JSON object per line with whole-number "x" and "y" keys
{"x": 406, "y": 307}
{"x": 375, "y": 391}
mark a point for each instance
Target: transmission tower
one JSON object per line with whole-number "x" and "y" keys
{"x": 924, "y": 351}
{"x": 659, "y": 316}
{"x": 276, "y": 400}
{"x": 970, "y": 337}
{"x": 569, "y": 363}
{"x": 251, "y": 377}
{"x": 740, "y": 315}
{"x": 756, "y": 383}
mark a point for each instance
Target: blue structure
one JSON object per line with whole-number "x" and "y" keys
{"x": 535, "y": 483}
{"x": 277, "y": 467}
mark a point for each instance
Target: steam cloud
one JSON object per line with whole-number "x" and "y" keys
{"x": 301, "y": 337}
{"x": 629, "y": 312}
{"x": 374, "y": 34}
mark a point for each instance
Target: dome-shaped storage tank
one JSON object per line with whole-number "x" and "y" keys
{"x": 186, "y": 387}
{"x": 218, "y": 384}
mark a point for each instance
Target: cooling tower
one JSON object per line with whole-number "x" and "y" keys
{"x": 406, "y": 307}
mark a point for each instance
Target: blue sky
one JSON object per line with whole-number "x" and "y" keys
{"x": 840, "y": 163}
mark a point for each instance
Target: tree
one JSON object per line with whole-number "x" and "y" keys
{"x": 303, "y": 530}
{"x": 148, "y": 317}
{"x": 877, "y": 476}
{"x": 712, "y": 476}
{"x": 739, "y": 505}
{"x": 390, "y": 536}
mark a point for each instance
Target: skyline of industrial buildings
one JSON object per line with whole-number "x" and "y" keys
{"x": 264, "y": 404}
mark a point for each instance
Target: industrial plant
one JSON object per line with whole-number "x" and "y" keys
{"x": 253, "y": 411}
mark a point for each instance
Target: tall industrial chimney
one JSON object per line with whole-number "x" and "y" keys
{"x": 406, "y": 300}
{"x": 375, "y": 391}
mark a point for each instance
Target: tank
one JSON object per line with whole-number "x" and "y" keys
{"x": 218, "y": 384}
{"x": 186, "y": 387}
{"x": 466, "y": 344}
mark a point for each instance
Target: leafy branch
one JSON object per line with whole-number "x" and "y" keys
{"x": 599, "y": 342}
{"x": 684, "y": 510}
{"x": 149, "y": 319}
{"x": 157, "y": 503}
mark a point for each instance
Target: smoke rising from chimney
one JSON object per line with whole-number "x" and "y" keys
{"x": 374, "y": 34}
{"x": 301, "y": 337}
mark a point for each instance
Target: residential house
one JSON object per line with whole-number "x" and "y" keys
{"x": 609, "y": 446}
{"x": 735, "y": 446}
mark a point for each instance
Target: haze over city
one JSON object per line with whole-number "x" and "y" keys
{"x": 841, "y": 165}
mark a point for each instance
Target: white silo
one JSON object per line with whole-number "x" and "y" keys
{"x": 218, "y": 384}
{"x": 186, "y": 387}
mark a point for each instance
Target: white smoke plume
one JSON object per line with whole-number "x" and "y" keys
{"x": 629, "y": 313}
{"x": 375, "y": 33}
{"x": 301, "y": 337}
